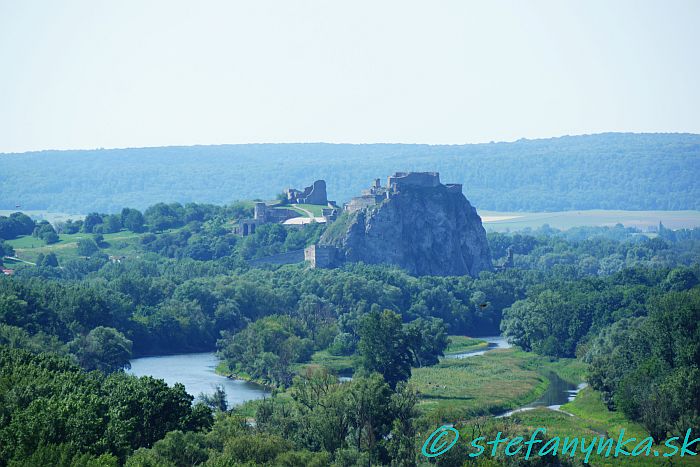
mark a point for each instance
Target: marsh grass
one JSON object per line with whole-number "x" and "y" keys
{"x": 590, "y": 418}
{"x": 460, "y": 344}
{"x": 339, "y": 364}
{"x": 493, "y": 383}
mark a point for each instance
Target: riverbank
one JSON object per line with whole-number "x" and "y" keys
{"x": 464, "y": 344}
{"x": 222, "y": 369}
{"x": 489, "y": 384}
{"x": 587, "y": 417}
{"x": 197, "y": 372}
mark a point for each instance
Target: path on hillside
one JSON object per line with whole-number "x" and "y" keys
{"x": 14, "y": 258}
{"x": 308, "y": 213}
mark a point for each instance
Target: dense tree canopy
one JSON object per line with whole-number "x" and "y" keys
{"x": 605, "y": 171}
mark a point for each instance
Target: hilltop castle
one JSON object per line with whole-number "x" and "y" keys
{"x": 414, "y": 222}
{"x": 395, "y": 183}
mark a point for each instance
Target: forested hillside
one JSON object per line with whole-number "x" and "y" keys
{"x": 606, "y": 171}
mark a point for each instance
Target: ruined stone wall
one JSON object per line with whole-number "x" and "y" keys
{"x": 420, "y": 179}
{"x": 322, "y": 256}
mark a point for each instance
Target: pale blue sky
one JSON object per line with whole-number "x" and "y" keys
{"x": 95, "y": 73}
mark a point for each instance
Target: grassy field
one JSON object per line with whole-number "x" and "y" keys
{"x": 512, "y": 221}
{"x": 28, "y": 247}
{"x": 315, "y": 209}
{"x": 460, "y": 344}
{"x": 499, "y": 380}
{"x": 589, "y": 419}
{"x": 342, "y": 365}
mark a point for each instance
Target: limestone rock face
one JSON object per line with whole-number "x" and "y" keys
{"x": 424, "y": 230}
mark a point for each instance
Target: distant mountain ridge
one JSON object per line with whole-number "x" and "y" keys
{"x": 603, "y": 171}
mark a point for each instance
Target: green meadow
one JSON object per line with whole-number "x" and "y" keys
{"x": 28, "y": 248}
{"x": 461, "y": 344}
{"x": 587, "y": 417}
{"x": 489, "y": 384}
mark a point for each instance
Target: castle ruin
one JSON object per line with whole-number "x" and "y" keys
{"x": 314, "y": 194}
{"x": 279, "y": 214}
{"x": 395, "y": 183}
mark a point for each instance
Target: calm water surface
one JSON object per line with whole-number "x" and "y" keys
{"x": 196, "y": 372}
{"x": 495, "y": 342}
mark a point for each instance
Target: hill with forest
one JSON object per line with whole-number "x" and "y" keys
{"x": 603, "y": 171}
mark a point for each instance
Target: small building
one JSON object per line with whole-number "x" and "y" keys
{"x": 8, "y": 272}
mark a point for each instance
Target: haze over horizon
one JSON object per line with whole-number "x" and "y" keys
{"x": 85, "y": 74}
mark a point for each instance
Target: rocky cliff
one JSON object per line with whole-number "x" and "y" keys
{"x": 424, "y": 230}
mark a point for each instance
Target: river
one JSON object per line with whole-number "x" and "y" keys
{"x": 558, "y": 393}
{"x": 196, "y": 372}
{"x": 495, "y": 342}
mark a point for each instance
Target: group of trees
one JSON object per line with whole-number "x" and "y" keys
{"x": 15, "y": 225}
{"x": 326, "y": 423}
{"x": 156, "y": 218}
{"x": 53, "y": 413}
{"x": 559, "y": 317}
{"x": 267, "y": 348}
{"x": 391, "y": 348}
{"x": 649, "y": 367}
{"x": 5, "y": 250}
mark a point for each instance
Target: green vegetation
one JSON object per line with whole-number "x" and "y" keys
{"x": 29, "y": 248}
{"x": 462, "y": 344}
{"x": 591, "y": 418}
{"x": 338, "y": 364}
{"x": 52, "y": 409}
{"x": 315, "y": 209}
{"x": 498, "y": 381}
{"x": 601, "y": 303}
{"x": 605, "y": 171}
{"x": 337, "y": 229}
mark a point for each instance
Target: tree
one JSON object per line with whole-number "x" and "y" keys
{"x": 132, "y": 219}
{"x": 112, "y": 223}
{"x": 383, "y": 347}
{"x": 426, "y": 339}
{"x": 87, "y": 247}
{"x": 17, "y": 224}
{"x": 6, "y": 249}
{"x": 91, "y": 221}
{"x": 48, "y": 260}
{"x": 46, "y": 232}
{"x": 680, "y": 279}
{"x": 216, "y": 401}
{"x": 163, "y": 216}
{"x": 104, "y": 349}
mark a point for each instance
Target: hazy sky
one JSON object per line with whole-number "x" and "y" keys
{"x": 92, "y": 73}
